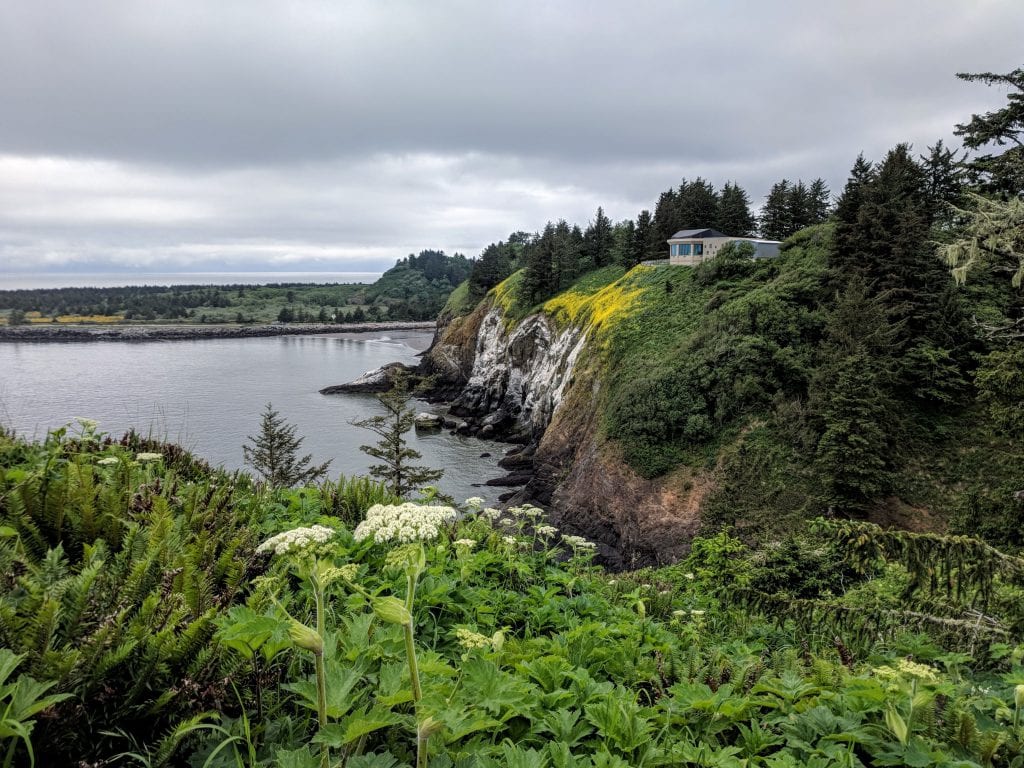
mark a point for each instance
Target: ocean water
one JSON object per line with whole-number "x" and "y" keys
{"x": 209, "y": 394}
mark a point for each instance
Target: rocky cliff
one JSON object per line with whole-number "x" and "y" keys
{"x": 538, "y": 381}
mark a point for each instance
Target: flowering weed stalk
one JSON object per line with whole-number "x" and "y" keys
{"x": 409, "y": 525}
{"x": 299, "y": 543}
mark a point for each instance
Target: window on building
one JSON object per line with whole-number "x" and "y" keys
{"x": 698, "y": 249}
{"x": 684, "y": 249}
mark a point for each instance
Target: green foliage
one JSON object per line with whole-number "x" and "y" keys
{"x": 21, "y": 700}
{"x": 114, "y": 569}
{"x": 526, "y": 654}
{"x": 396, "y": 469}
{"x": 273, "y": 453}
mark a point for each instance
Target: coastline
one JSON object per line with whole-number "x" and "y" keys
{"x": 41, "y": 334}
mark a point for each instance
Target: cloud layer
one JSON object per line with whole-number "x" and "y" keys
{"x": 339, "y": 136}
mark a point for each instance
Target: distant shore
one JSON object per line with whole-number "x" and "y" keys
{"x": 51, "y": 332}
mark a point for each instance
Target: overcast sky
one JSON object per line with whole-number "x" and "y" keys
{"x": 334, "y": 135}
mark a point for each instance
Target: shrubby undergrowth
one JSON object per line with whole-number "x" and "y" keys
{"x": 138, "y": 600}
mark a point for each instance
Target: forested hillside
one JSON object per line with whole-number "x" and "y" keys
{"x": 416, "y": 288}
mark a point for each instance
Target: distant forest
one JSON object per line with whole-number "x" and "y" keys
{"x": 414, "y": 289}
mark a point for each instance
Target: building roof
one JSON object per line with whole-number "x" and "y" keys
{"x": 688, "y": 234}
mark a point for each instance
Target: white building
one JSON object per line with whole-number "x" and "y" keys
{"x": 692, "y": 246}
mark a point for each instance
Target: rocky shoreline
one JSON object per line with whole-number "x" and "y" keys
{"x": 128, "y": 333}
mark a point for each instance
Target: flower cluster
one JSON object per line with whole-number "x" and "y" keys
{"x": 148, "y": 456}
{"x": 578, "y": 542}
{"x": 296, "y": 539}
{"x": 474, "y": 502}
{"x": 471, "y": 640}
{"x": 468, "y": 543}
{"x": 107, "y": 460}
{"x": 403, "y": 523}
{"x": 546, "y": 531}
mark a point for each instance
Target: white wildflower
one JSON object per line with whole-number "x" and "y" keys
{"x": 403, "y": 523}
{"x": 688, "y": 576}
{"x": 148, "y": 456}
{"x": 696, "y": 613}
{"x": 296, "y": 539}
{"x": 510, "y": 540}
{"x": 108, "y": 460}
{"x": 578, "y": 542}
{"x": 532, "y": 511}
{"x": 470, "y": 543}
{"x": 471, "y": 640}
{"x": 88, "y": 425}
{"x": 546, "y": 531}
{"x": 678, "y": 613}
{"x": 664, "y": 591}
{"x": 474, "y": 502}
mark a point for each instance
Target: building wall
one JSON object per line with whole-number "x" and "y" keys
{"x": 712, "y": 245}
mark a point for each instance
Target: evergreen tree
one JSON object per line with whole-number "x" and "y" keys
{"x": 850, "y": 393}
{"x": 944, "y": 174}
{"x": 820, "y": 201}
{"x": 697, "y": 205}
{"x": 273, "y": 453}
{"x": 539, "y": 279}
{"x": 597, "y": 241}
{"x": 567, "y": 254}
{"x": 666, "y": 213}
{"x": 844, "y": 258}
{"x": 776, "y": 222}
{"x": 493, "y": 266}
{"x": 733, "y": 216}
{"x": 645, "y": 240}
{"x": 396, "y": 470}
{"x": 800, "y": 208}
{"x": 623, "y": 235}
{"x": 1001, "y": 173}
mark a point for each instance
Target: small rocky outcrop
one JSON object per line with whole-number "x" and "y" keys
{"x": 428, "y": 421}
{"x": 379, "y": 380}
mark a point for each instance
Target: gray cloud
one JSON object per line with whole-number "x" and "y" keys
{"x": 340, "y": 136}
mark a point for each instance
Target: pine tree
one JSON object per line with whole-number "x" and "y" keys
{"x": 666, "y": 213}
{"x": 697, "y": 205}
{"x": 539, "y": 280}
{"x": 392, "y": 450}
{"x": 844, "y": 257}
{"x": 623, "y": 235}
{"x": 733, "y": 216}
{"x": 800, "y": 204}
{"x": 274, "y": 454}
{"x": 644, "y": 241}
{"x": 944, "y": 173}
{"x": 493, "y": 266}
{"x": 820, "y": 201}
{"x": 1002, "y": 173}
{"x": 776, "y": 222}
{"x": 597, "y": 241}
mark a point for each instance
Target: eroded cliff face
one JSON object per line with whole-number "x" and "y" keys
{"x": 519, "y": 376}
{"x": 539, "y": 383}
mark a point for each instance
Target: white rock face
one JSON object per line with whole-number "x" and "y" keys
{"x": 522, "y": 375}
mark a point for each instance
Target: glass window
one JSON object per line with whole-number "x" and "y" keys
{"x": 684, "y": 249}
{"x": 698, "y": 249}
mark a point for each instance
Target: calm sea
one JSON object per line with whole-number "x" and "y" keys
{"x": 208, "y": 395}
{"x": 23, "y": 280}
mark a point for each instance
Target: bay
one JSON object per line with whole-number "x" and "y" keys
{"x": 208, "y": 395}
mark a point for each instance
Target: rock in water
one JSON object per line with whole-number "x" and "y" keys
{"x": 427, "y": 421}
